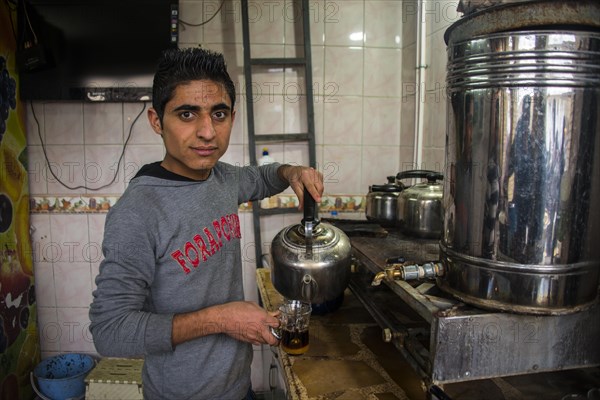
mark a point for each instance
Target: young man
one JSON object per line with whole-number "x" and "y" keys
{"x": 170, "y": 286}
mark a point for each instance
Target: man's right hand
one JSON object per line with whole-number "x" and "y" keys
{"x": 243, "y": 320}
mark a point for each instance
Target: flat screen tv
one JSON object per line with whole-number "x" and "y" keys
{"x": 92, "y": 50}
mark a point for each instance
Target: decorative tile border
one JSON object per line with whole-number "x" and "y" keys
{"x": 72, "y": 204}
{"x": 101, "y": 204}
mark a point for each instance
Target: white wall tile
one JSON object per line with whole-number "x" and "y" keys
{"x": 407, "y": 158}
{"x": 342, "y": 121}
{"x": 63, "y": 123}
{"x": 249, "y": 277}
{"x": 94, "y": 248}
{"x": 292, "y": 219}
{"x": 341, "y": 169}
{"x": 45, "y": 292}
{"x": 343, "y": 71}
{"x": 268, "y": 114}
{"x": 294, "y": 108}
{"x": 407, "y": 132}
{"x": 103, "y": 123}
{"x": 141, "y": 132}
{"x": 226, "y": 27}
{"x": 247, "y": 242}
{"x": 101, "y": 167}
{"x": 42, "y": 254}
{"x": 41, "y": 237}
{"x": 266, "y": 21}
{"x": 35, "y": 121}
{"x": 434, "y": 158}
{"x": 193, "y": 13}
{"x": 73, "y": 284}
{"x": 96, "y": 235}
{"x": 381, "y": 121}
{"x": 383, "y": 23}
{"x": 68, "y": 164}
{"x": 136, "y": 156}
{"x": 439, "y": 15}
{"x": 344, "y": 23}
{"x": 296, "y": 154}
{"x": 238, "y": 132}
{"x": 294, "y": 76}
{"x": 270, "y": 226}
{"x": 267, "y": 80}
{"x": 235, "y": 155}
{"x": 293, "y": 22}
{"x": 75, "y": 334}
{"x": 37, "y": 171}
{"x": 49, "y": 329}
{"x": 376, "y": 172}
{"x": 318, "y": 69}
{"x": 319, "y": 108}
{"x": 381, "y": 72}
{"x": 69, "y": 238}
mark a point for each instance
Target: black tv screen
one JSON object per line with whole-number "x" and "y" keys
{"x": 92, "y": 50}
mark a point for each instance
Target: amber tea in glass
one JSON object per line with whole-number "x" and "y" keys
{"x": 294, "y": 318}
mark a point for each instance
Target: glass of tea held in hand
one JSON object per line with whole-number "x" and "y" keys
{"x": 294, "y": 317}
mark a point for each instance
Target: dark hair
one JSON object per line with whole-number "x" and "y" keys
{"x": 180, "y": 66}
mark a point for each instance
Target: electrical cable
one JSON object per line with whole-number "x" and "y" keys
{"x": 35, "y": 39}
{"x": 25, "y": 43}
{"x": 208, "y": 20}
{"x": 10, "y": 17}
{"x": 84, "y": 186}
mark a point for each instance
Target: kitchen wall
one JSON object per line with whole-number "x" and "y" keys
{"x": 364, "y": 82}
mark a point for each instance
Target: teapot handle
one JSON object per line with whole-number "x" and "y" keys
{"x": 431, "y": 176}
{"x": 310, "y": 209}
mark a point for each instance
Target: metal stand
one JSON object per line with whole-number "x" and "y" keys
{"x": 446, "y": 341}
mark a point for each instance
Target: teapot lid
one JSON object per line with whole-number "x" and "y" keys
{"x": 389, "y": 187}
{"x": 323, "y": 236}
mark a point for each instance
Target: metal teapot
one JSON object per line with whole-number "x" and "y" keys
{"x": 419, "y": 211}
{"x": 382, "y": 202}
{"x": 311, "y": 260}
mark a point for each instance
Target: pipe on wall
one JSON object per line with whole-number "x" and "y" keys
{"x": 420, "y": 78}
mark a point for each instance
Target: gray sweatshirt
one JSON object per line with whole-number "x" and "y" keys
{"x": 173, "y": 246}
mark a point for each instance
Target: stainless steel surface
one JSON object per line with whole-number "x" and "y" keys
{"x": 275, "y": 332}
{"x": 449, "y": 341}
{"x": 382, "y": 202}
{"x": 525, "y": 15}
{"x": 419, "y": 211}
{"x": 521, "y": 221}
{"x": 317, "y": 278}
{"x": 487, "y": 345}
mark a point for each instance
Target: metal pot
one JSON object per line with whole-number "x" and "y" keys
{"x": 382, "y": 202}
{"x": 419, "y": 211}
{"x": 521, "y": 222}
{"x": 311, "y": 260}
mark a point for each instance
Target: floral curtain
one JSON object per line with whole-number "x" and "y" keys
{"x": 19, "y": 341}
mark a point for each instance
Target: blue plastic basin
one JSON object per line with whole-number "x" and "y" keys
{"x": 62, "y": 377}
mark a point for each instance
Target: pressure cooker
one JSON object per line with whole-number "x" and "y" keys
{"x": 419, "y": 211}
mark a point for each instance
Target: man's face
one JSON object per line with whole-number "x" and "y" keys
{"x": 196, "y": 128}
